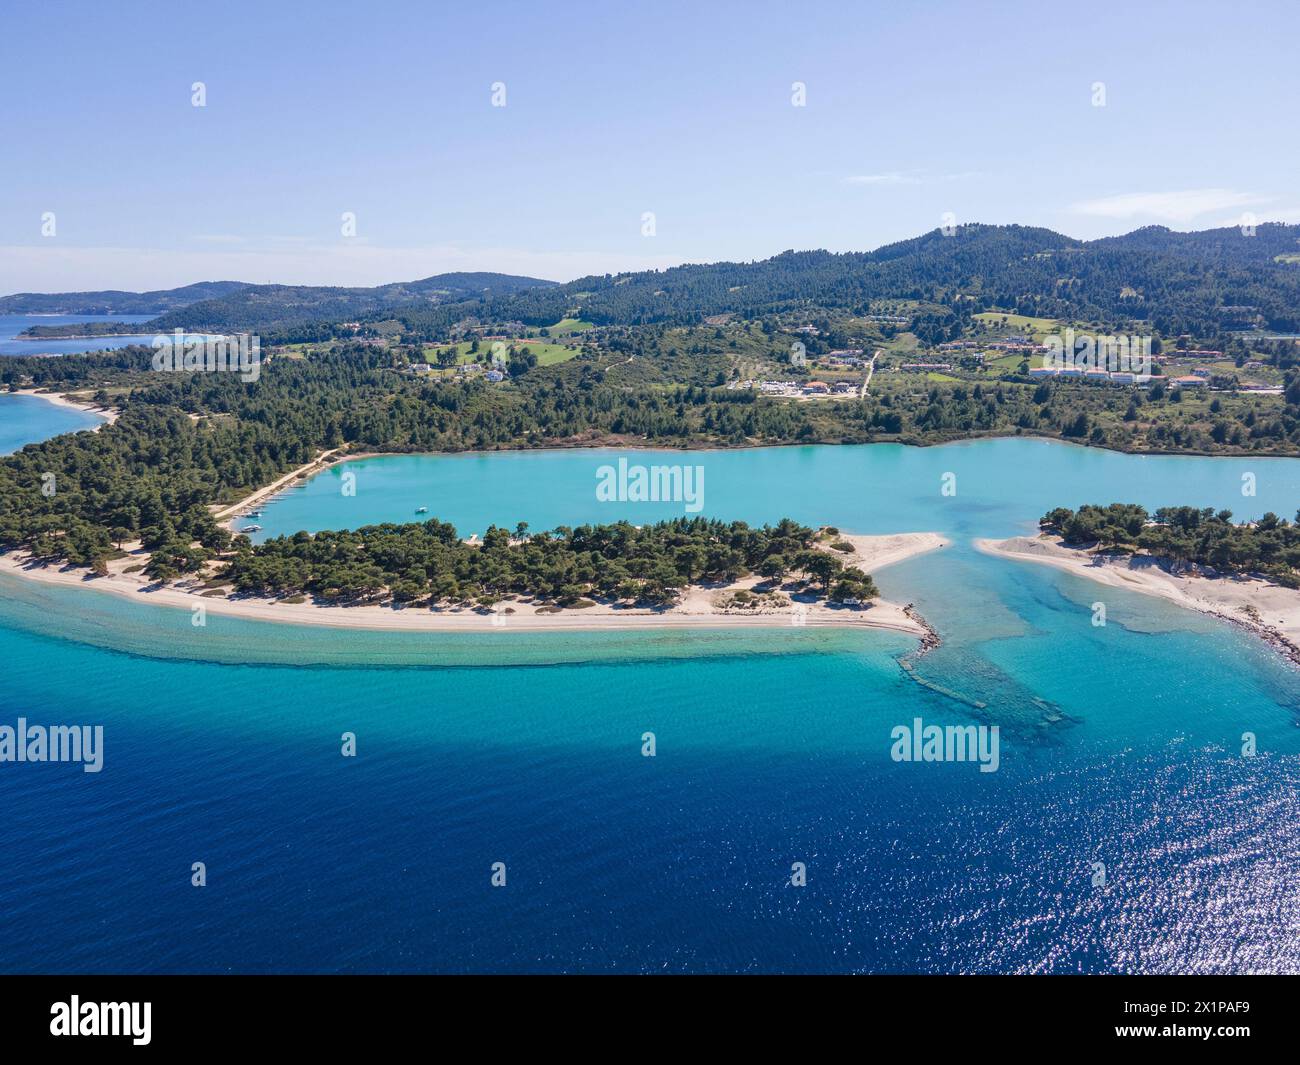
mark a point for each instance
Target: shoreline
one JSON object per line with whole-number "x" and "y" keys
{"x": 81, "y": 336}
{"x": 1269, "y": 611}
{"x": 696, "y": 609}
{"x": 60, "y": 399}
{"x": 229, "y": 514}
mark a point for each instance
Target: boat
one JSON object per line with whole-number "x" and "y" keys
{"x": 251, "y": 528}
{"x": 422, "y": 510}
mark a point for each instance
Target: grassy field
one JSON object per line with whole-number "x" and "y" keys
{"x": 548, "y": 354}
{"x": 1021, "y": 322}
{"x": 902, "y": 344}
{"x": 1009, "y": 363}
{"x": 569, "y": 325}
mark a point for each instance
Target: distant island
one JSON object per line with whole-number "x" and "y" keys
{"x": 81, "y": 331}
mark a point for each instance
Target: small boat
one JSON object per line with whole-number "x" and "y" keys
{"x": 253, "y": 514}
{"x": 422, "y": 510}
{"x": 251, "y": 528}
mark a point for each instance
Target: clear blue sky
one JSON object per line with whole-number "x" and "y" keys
{"x": 683, "y": 109}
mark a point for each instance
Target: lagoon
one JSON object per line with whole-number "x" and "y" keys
{"x": 995, "y": 487}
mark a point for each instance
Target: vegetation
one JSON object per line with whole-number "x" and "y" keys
{"x": 1188, "y": 536}
{"x": 544, "y": 353}
{"x": 1197, "y": 283}
{"x": 655, "y": 358}
{"x": 109, "y": 303}
{"x": 1201, "y": 284}
{"x": 301, "y": 309}
{"x": 185, "y": 442}
{"x": 80, "y": 329}
{"x": 429, "y": 563}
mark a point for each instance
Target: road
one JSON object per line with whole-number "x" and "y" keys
{"x": 871, "y": 369}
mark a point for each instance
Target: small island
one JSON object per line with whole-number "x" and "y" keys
{"x": 81, "y": 331}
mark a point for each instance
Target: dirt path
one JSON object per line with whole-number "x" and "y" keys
{"x": 226, "y": 513}
{"x": 871, "y": 370}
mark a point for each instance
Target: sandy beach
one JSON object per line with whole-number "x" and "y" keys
{"x": 699, "y": 607}
{"x": 1267, "y": 609}
{"x": 68, "y": 400}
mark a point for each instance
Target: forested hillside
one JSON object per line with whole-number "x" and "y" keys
{"x": 105, "y": 303}
{"x": 273, "y": 308}
{"x": 1198, "y": 283}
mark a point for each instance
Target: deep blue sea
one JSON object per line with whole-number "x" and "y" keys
{"x": 1120, "y": 745}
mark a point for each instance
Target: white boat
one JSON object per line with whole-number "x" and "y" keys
{"x": 251, "y": 528}
{"x": 422, "y": 510}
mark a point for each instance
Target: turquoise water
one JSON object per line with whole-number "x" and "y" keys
{"x": 1001, "y": 487}
{"x": 28, "y": 420}
{"x": 13, "y": 324}
{"x": 1120, "y": 745}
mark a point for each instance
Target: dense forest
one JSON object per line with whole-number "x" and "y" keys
{"x": 1181, "y": 283}
{"x": 429, "y": 563}
{"x": 1198, "y": 283}
{"x": 1188, "y": 536}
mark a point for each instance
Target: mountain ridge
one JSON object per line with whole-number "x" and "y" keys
{"x": 1196, "y": 281}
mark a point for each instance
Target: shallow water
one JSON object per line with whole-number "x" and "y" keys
{"x": 996, "y": 487}
{"x": 29, "y": 420}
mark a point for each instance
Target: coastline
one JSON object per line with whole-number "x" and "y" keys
{"x": 60, "y": 399}
{"x": 230, "y": 513}
{"x": 1268, "y": 610}
{"x": 80, "y": 336}
{"x": 698, "y": 607}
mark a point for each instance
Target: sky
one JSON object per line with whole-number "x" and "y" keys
{"x": 1088, "y": 119}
